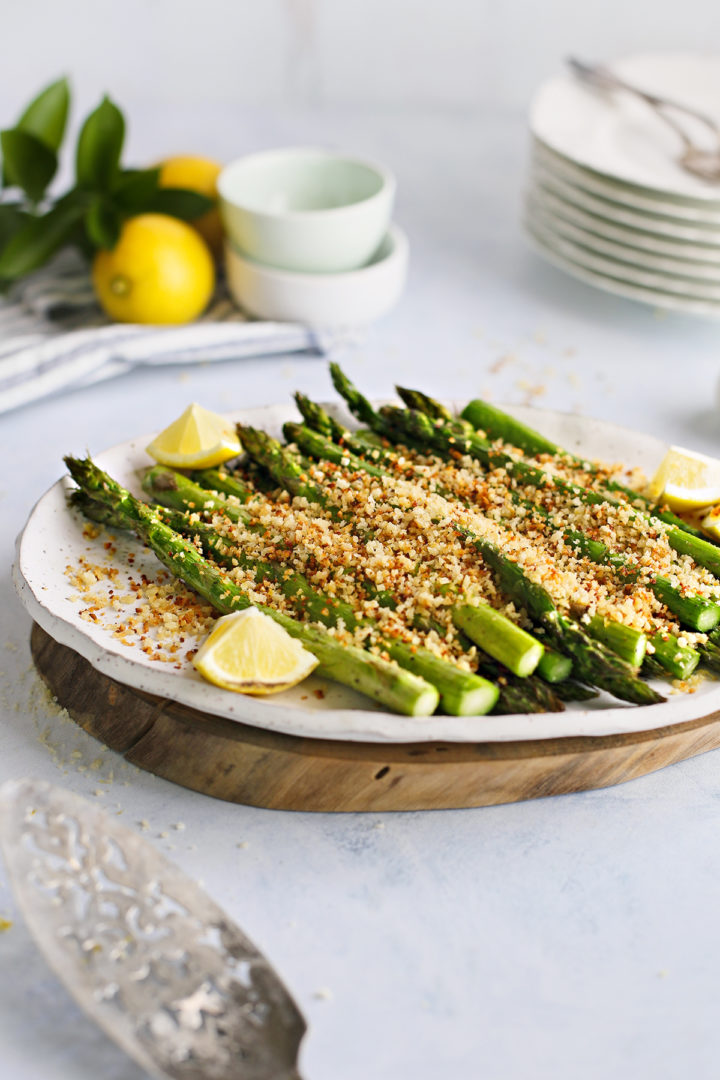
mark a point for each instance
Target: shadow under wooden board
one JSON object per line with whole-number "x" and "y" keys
{"x": 249, "y": 765}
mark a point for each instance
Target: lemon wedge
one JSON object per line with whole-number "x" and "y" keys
{"x": 249, "y": 653}
{"x": 711, "y": 523}
{"x": 686, "y": 480}
{"x": 199, "y": 439}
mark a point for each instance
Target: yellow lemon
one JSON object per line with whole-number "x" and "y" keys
{"x": 197, "y": 174}
{"x": 686, "y": 480}
{"x": 160, "y": 271}
{"x": 711, "y": 523}
{"x": 199, "y": 439}
{"x": 250, "y": 653}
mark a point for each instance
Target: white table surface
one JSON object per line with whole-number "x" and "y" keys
{"x": 565, "y": 937}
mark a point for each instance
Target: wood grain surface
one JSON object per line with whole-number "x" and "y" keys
{"x": 249, "y": 765}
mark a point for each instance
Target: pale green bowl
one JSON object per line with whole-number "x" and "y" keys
{"x": 314, "y": 211}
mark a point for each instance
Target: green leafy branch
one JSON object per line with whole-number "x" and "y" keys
{"x": 34, "y": 226}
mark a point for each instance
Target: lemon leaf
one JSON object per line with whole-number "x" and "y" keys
{"x": 46, "y": 115}
{"x": 27, "y": 161}
{"x": 135, "y": 189}
{"x": 99, "y": 147}
{"x": 38, "y": 239}
{"x": 180, "y": 203}
{"x": 102, "y": 224}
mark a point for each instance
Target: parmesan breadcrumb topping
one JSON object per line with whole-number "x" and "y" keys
{"x": 398, "y": 550}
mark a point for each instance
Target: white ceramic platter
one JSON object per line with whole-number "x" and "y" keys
{"x": 620, "y": 137}
{"x": 53, "y": 538}
{"x": 641, "y": 239}
{"x": 639, "y": 198}
{"x": 662, "y": 224}
{"x": 684, "y": 269}
{"x": 549, "y": 250}
{"x": 659, "y": 283}
{"x": 632, "y": 272}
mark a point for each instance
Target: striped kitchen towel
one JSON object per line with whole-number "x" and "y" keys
{"x": 53, "y": 337}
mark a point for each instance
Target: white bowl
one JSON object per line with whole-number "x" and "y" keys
{"x": 308, "y": 210}
{"x": 353, "y": 298}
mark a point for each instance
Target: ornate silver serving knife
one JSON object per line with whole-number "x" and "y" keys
{"x": 144, "y": 951}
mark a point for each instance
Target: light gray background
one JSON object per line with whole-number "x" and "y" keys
{"x": 457, "y": 54}
{"x": 563, "y": 938}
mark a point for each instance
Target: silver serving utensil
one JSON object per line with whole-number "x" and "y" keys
{"x": 694, "y": 159}
{"x": 143, "y": 950}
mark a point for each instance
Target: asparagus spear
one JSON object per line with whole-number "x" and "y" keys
{"x": 519, "y": 695}
{"x": 571, "y": 690}
{"x": 317, "y": 445}
{"x": 696, "y": 612}
{"x": 222, "y": 481}
{"x": 319, "y": 419}
{"x": 515, "y": 695}
{"x": 179, "y": 492}
{"x": 459, "y": 437}
{"x": 482, "y": 624}
{"x": 627, "y": 643}
{"x": 517, "y": 650}
{"x": 506, "y": 647}
{"x": 415, "y": 399}
{"x": 593, "y": 663}
{"x": 381, "y": 680}
{"x": 679, "y": 660}
{"x": 553, "y": 666}
{"x": 599, "y": 666}
{"x": 462, "y": 693}
{"x": 500, "y": 425}
{"x": 568, "y": 637}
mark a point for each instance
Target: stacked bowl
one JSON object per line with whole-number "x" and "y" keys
{"x": 309, "y": 237}
{"x": 608, "y": 199}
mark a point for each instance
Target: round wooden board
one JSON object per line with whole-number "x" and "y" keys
{"x": 249, "y": 765}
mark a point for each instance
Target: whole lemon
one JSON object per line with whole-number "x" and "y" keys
{"x": 197, "y": 174}
{"x": 160, "y": 271}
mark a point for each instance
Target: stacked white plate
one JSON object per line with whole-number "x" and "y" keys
{"x": 607, "y": 199}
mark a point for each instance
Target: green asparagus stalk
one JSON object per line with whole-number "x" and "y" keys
{"x": 319, "y": 420}
{"x": 678, "y": 660}
{"x": 519, "y": 695}
{"x": 553, "y": 666}
{"x": 460, "y": 437}
{"x": 503, "y": 640}
{"x": 316, "y": 445}
{"x": 696, "y": 612}
{"x": 608, "y": 671}
{"x": 461, "y": 693}
{"x": 222, "y": 481}
{"x": 284, "y": 468}
{"x": 627, "y": 643}
{"x": 593, "y": 662}
{"x": 506, "y": 642}
{"x": 178, "y": 492}
{"x": 500, "y": 425}
{"x": 383, "y": 681}
{"x": 571, "y": 690}
{"x": 415, "y": 399}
